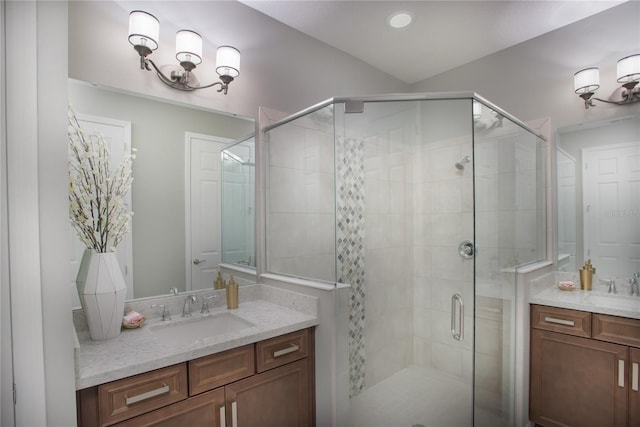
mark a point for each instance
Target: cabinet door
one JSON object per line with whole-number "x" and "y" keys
{"x": 275, "y": 398}
{"x": 577, "y": 381}
{"x": 634, "y": 388}
{"x": 204, "y": 410}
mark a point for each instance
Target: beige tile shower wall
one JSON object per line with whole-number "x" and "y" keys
{"x": 300, "y": 201}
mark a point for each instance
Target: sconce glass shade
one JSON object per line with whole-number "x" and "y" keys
{"x": 586, "y": 81}
{"x": 228, "y": 61}
{"x": 144, "y": 29}
{"x": 477, "y": 110}
{"x": 188, "y": 47}
{"x": 628, "y": 69}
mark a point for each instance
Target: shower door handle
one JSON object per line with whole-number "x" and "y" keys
{"x": 457, "y": 321}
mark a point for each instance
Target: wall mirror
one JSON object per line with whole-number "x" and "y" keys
{"x": 176, "y": 232}
{"x": 598, "y": 189}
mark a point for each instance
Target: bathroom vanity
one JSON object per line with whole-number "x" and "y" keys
{"x": 262, "y": 373}
{"x": 585, "y": 359}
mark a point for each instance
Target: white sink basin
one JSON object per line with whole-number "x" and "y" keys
{"x": 197, "y": 328}
{"x": 620, "y": 302}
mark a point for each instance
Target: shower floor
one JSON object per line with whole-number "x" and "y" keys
{"x": 416, "y": 396}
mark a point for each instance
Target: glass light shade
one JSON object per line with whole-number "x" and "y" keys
{"x": 586, "y": 81}
{"x": 628, "y": 69}
{"x": 477, "y": 110}
{"x": 228, "y": 61}
{"x": 144, "y": 29}
{"x": 188, "y": 47}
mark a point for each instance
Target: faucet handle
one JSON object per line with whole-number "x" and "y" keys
{"x": 611, "y": 285}
{"x": 205, "y": 304}
{"x": 165, "y": 311}
{"x": 173, "y": 291}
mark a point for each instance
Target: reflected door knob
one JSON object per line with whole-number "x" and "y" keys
{"x": 198, "y": 261}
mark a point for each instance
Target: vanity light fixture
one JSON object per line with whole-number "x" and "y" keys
{"x": 587, "y": 81}
{"x": 144, "y": 31}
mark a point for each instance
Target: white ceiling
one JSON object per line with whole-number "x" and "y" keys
{"x": 444, "y": 35}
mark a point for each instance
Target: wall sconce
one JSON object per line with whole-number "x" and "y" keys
{"x": 144, "y": 31}
{"x": 587, "y": 81}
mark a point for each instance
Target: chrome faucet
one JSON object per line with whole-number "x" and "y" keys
{"x": 634, "y": 284}
{"x": 186, "y": 308}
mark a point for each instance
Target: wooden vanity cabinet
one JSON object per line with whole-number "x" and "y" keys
{"x": 270, "y": 383}
{"x": 584, "y": 370}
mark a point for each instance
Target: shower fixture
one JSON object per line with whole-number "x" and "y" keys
{"x": 461, "y": 163}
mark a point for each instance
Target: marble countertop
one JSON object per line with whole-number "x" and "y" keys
{"x": 272, "y": 311}
{"x": 545, "y": 291}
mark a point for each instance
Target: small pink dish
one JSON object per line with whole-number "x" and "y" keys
{"x": 567, "y": 286}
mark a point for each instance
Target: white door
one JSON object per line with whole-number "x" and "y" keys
{"x": 117, "y": 134}
{"x": 203, "y": 177}
{"x": 612, "y": 208}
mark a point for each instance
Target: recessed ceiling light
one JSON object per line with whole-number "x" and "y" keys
{"x": 400, "y": 19}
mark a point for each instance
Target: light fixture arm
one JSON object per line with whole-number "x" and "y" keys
{"x": 180, "y": 80}
{"x": 630, "y": 94}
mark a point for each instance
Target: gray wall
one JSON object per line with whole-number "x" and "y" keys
{"x": 534, "y": 79}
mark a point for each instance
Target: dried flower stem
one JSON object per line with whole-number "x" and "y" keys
{"x": 96, "y": 197}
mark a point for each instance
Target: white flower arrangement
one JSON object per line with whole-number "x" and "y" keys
{"x": 96, "y": 197}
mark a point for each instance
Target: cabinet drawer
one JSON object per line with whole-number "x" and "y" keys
{"x": 133, "y": 396}
{"x": 281, "y": 350}
{"x": 209, "y": 372}
{"x": 200, "y": 411}
{"x": 619, "y": 330}
{"x": 572, "y": 322}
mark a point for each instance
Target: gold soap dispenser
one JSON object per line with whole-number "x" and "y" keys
{"x": 219, "y": 282}
{"x": 586, "y": 275}
{"x": 232, "y": 293}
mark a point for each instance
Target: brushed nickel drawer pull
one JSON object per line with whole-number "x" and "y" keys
{"x": 291, "y": 349}
{"x": 147, "y": 395}
{"x": 620, "y": 373}
{"x": 223, "y": 417}
{"x": 560, "y": 321}
{"x": 234, "y": 414}
{"x": 634, "y": 376}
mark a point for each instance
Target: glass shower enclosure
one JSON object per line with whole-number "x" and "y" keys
{"x": 420, "y": 209}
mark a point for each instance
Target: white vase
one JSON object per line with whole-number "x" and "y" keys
{"x": 102, "y": 291}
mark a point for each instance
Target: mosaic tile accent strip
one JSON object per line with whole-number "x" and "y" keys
{"x": 350, "y": 236}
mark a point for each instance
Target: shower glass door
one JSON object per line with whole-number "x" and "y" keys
{"x": 405, "y": 243}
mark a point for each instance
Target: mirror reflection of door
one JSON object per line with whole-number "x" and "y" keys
{"x": 117, "y": 134}
{"x": 612, "y": 207}
{"x": 203, "y": 177}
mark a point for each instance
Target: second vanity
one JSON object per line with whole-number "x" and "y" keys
{"x": 259, "y": 372}
{"x": 585, "y": 357}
